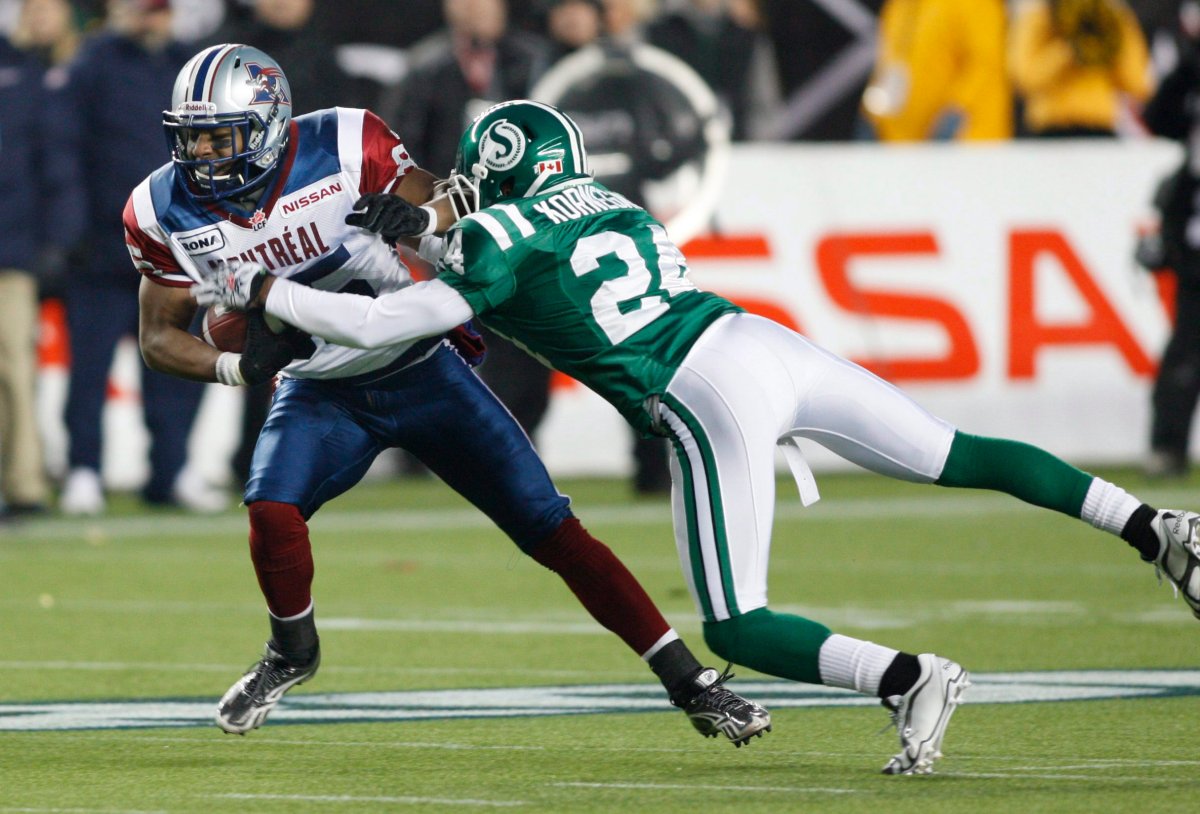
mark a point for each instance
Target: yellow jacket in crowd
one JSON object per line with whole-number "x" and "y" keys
{"x": 1073, "y": 60}
{"x": 940, "y": 70}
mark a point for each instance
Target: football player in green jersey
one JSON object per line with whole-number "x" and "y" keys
{"x": 593, "y": 286}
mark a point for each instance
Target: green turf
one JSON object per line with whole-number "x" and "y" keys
{"x": 165, "y": 606}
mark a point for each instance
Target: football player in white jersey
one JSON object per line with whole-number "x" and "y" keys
{"x": 591, "y": 284}
{"x": 249, "y": 183}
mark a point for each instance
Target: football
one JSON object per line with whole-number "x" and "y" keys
{"x": 224, "y": 330}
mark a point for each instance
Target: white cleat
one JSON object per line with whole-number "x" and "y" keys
{"x": 1179, "y": 553}
{"x": 922, "y": 713}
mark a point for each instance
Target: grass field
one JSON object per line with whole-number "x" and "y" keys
{"x": 156, "y": 614}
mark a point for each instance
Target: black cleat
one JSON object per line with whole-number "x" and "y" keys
{"x": 716, "y": 710}
{"x": 248, "y": 702}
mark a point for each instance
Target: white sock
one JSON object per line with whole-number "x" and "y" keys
{"x": 854, "y": 664}
{"x": 1107, "y": 506}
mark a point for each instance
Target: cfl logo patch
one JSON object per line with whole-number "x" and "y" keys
{"x": 549, "y": 166}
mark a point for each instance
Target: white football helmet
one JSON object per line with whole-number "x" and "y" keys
{"x": 234, "y": 86}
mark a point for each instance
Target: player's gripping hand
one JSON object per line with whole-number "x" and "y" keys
{"x": 392, "y": 217}
{"x": 266, "y": 352}
{"x": 235, "y": 285}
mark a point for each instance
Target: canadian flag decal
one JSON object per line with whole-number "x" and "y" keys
{"x": 549, "y": 166}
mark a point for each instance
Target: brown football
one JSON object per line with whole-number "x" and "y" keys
{"x": 224, "y": 330}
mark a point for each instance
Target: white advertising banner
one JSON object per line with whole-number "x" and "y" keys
{"x": 994, "y": 283}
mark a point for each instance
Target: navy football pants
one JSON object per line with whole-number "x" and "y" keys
{"x": 321, "y": 436}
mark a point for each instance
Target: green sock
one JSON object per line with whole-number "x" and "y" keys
{"x": 1024, "y": 471}
{"x": 778, "y": 644}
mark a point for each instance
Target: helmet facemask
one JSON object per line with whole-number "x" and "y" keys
{"x": 211, "y": 179}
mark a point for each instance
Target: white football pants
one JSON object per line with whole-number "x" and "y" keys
{"x": 747, "y": 385}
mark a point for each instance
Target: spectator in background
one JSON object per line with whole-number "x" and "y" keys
{"x": 572, "y": 24}
{"x": 119, "y": 84}
{"x": 37, "y": 175}
{"x": 47, "y": 29}
{"x": 287, "y": 30}
{"x": 1174, "y": 112}
{"x": 1077, "y": 64}
{"x": 722, "y": 41}
{"x": 940, "y": 72}
{"x": 474, "y": 61}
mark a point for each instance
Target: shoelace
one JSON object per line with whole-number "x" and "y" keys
{"x": 267, "y": 674}
{"x": 720, "y": 696}
{"x": 895, "y": 713}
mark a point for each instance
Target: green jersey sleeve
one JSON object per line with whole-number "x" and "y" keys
{"x": 488, "y": 279}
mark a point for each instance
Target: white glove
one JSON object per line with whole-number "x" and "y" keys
{"x": 234, "y": 284}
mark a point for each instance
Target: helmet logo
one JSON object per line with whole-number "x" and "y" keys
{"x": 191, "y": 108}
{"x": 502, "y": 146}
{"x": 268, "y": 89}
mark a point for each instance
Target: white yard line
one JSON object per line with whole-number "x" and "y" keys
{"x": 704, "y": 787}
{"x": 348, "y": 798}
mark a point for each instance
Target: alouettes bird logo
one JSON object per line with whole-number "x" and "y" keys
{"x": 268, "y": 89}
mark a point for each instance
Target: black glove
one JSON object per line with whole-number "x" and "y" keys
{"x": 389, "y": 216}
{"x": 266, "y": 353}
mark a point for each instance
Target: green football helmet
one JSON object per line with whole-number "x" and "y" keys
{"x": 515, "y": 150}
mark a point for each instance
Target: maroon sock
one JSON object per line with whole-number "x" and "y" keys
{"x": 603, "y": 585}
{"x": 282, "y": 556}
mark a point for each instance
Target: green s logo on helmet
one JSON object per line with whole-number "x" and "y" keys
{"x": 515, "y": 150}
{"x": 502, "y": 146}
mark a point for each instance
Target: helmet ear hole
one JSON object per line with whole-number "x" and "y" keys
{"x": 507, "y": 185}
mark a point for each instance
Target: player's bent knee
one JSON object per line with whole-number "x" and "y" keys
{"x": 564, "y": 547}
{"x": 278, "y": 534}
{"x": 722, "y": 638}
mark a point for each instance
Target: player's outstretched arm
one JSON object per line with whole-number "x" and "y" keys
{"x": 425, "y": 309}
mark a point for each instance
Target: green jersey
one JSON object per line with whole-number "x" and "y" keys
{"x": 588, "y": 283}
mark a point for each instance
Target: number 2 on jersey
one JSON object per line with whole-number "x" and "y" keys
{"x": 634, "y": 285}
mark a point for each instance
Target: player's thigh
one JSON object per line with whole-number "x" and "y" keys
{"x": 863, "y": 418}
{"x": 722, "y": 431}
{"x": 310, "y": 449}
{"x": 470, "y": 440}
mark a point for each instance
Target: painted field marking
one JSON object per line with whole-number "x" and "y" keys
{"x": 704, "y": 787}
{"x": 347, "y": 798}
{"x": 516, "y": 702}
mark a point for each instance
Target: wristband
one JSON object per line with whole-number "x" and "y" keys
{"x": 431, "y": 250}
{"x": 430, "y": 227}
{"x": 229, "y": 369}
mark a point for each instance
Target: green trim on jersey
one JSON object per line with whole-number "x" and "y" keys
{"x": 716, "y": 503}
{"x": 588, "y": 283}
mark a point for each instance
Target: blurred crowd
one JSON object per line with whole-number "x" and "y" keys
{"x": 83, "y": 84}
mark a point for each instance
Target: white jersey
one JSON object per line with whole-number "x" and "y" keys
{"x": 297, "y": 229}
